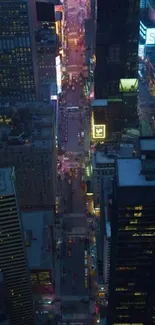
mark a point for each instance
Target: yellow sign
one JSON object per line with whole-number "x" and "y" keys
{"x": 99, "y": 131}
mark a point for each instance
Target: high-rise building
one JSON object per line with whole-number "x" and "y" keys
{"x": 40, "y": 247}
{"x": 18, "y": 77}
{"x": 4, "y": 308}
{"x": 13, "y": 262}
{"x": 132, "y": 262}
{"x": 102, "y": 164}
{"x": 30, "y": 146}
{"x": 116, "y": 69}
{"x": 47, "y": 49}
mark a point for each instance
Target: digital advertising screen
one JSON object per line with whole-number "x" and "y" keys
{"x": 58, "y": 74}
{"x": 150, "y": 36}
{"x": 141, "y": 49}
{"x": 99, "y": 131}
{"x": 142, "y": 30}
{"x": 127, "y": 85}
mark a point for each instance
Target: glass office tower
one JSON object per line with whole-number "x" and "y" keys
{"x": 132, "y": 261}
{"x": 116, "y": 73}
{"x": 16, "y": 63}
{"x": 13, "y": 261}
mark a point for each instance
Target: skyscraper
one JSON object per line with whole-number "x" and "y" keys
{"x": 13, "y": 261}
{"x": 117, "y": 59}
{"x": 17, "y": 64}
{"x": 132, "y": 262}
{"x": 47, "y": 49}
{"x": 35, "y": 157}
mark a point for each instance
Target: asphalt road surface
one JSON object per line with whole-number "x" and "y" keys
{"x": 73, "y": 277}
{"x": 75, "y": 126}
{"x": 73, "y": 268}
{"x": 78, "y": 198}
{"x": 73, "y": 97}
{"x": 72, "y": 222}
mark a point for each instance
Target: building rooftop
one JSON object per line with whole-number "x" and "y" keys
{"x": 108, "y": 155}
{"x": 99, "y": 157}
{"x": 37, "y": 238}
{"x": 126, "y": 150}
{"x": 129, "y": 173}
{"x": 147, "y": 144}
{"x": 6, "y": 181}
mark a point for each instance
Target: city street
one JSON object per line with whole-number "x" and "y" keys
{"x": 73, "y": 277}
{"x": 73, "y": 123}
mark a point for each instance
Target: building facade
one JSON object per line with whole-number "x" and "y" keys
{"x": 40, "y": 247}
{"x": 47, "y": 45}
{"x": 102, "y": 165}
{"x": 34, "y": 157}
{"x": 131, "y": 286}
{"x": 13, "y": 262}
{"x": 4, "y": 308}
{"x": 18, "y": 76}
{"x": 116, "y": 69}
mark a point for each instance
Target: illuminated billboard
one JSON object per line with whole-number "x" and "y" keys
{"x": 141, "y": 49}
{"x": 142, "y": 30}
{"x": 99, "y": 131}
{"x": 58, "y": 74}
{"x": 150, "y": 36}
{"x": 127, "y": 85}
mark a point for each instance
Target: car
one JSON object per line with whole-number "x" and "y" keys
{"x": 92, "y": 263}
{"x": 75, "y": 175}
{"x": 92, "y": 252}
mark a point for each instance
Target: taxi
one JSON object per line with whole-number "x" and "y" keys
{"x": 76, "y": 173}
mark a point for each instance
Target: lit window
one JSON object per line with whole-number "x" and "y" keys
{"x": 143, "y": 234}
{"x": 134, "y": 222}
{"x": 139, "y": 294}
{"x": 139, "y": 208}
{"x": 130, "y": 228}
{"x": 121, "y": 289}
{"x": 138, "y": 214}
{"x": 123, "y": 268}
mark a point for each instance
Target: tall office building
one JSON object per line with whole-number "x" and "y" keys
{"x": 13, "y": 261}
{"x": 33, "y": 156}
{"x": 47, "y": 45}
{"x": 17, "y": 65}
{"x": 4, "y": 309}
{"x": 116, "y": 70}
{"x": 132, "y": 262}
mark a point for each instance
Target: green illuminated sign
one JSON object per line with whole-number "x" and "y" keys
{"x": 128, "y": 85}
